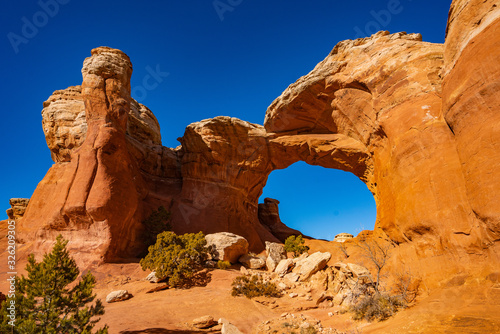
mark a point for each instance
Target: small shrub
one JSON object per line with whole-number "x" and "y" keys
{"x": 223, "y": 265}
{"x": 176, "y": 257}
{"x": 295, "y": 244}
{"x": 376, "y": 307}
{"x": 407, "y": 286}
{"x": 308, "y": 330}
{"x": 157, "y": 222}
{"x": 254, "y": 286}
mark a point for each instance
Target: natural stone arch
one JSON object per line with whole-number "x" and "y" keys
{"x": 379, "y": 100}
{"x": 328, "y": 200}
{"x": 372, "y": 107}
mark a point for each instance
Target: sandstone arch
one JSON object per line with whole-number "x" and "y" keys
{"x": 388, "y": 108}
{"x": 320, "y": 202}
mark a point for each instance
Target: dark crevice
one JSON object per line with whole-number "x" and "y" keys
{"x": 360, "y": 86}
{"x": 106, "y": 95}
{"x": 449, "y": 127}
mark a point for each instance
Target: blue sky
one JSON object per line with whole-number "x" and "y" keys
{"x": 223, "y": 57}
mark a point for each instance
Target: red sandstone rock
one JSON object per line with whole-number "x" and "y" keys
{"x": 269, "y": 217}
{"x": 377, "y": 107}
{"x": 95, "y": 199}
{"x": 372, "y": 107}
{"x": 224, "y": 168}
{"x": 471, "y": 108}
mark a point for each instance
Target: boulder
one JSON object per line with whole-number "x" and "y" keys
{"x": 204, "y": 322}
{"x": 311, "y": 264}
{"x": 227, "y": 246}
{"x": 319, "y": 280}
{"x": 341, "y": 266}
{"x": 228, "y": 328}
{"x": 152, "y": 277}
{"x": 275, "y": 253}
{"x": 298, "y": 259}
{"x": 292, "y": 277}
{"x": 244, "y": 271}
{"x": 357, "y": 270}
{"x": 284, "y": 267}
{"x": 118, "y": 296}
{"x": 252, "y": 262}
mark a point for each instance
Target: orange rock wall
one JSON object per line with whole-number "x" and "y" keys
{"x": 471, "y": 105}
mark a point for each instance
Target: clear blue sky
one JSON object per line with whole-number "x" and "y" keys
{"x": 233, "y": 60}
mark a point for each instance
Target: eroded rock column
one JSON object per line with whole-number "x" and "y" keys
{"x": 95, "y": 199}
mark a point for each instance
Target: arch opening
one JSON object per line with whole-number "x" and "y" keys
{"x": 321, "y": 202}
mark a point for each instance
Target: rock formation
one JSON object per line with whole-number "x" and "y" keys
{"x": 269, "y": 216}
{"x": 416, "y": 121}
{"x": 17, "y": 207}
{"x": 342, "y": 237}
{"x": 224, "y": 168}
{"x": 95, "y": 188}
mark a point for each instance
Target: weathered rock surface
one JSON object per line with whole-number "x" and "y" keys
{"x": 96, "y": 197}
{"x": 347, "y": 281}
{"x": 342, "y": 237}
{"x": 228, "y": 328}
{"x": 224, "y": 168}
{"x": 470, "y": 106}
{"x": 356, "y": 270}
{"x": 118, "y": 296}
{"x": 152, "y": 277}
{"x": 311, "y": 264}
{"x": 284, "y": 267}
{"x": 227, "y": 246}
{"x": 252, "y": 262}
{"x": 17, "y": 207}
{"x": 64, "y": 123}
{"x": 275, "y": 253}
{"x": 357, "y": 103}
